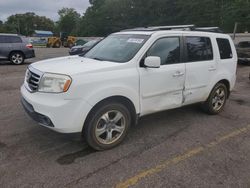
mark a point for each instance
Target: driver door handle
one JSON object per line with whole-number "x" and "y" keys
{"x": 178, "y": 74}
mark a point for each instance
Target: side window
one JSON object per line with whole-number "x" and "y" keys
{"x": 224, "y": 48}
{"x": 168, "y": 49}
{"x": 15, "y": 39}
{"x": 2, "y": 39}
{"x": 199, "y": 49}
{"x": 7, "y": 39}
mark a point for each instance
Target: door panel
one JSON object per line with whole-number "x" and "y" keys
{"x": 162, "y": 88}
{"x": 200, "y": 68}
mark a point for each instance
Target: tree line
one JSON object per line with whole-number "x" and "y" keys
{"x": 103, "y": 17}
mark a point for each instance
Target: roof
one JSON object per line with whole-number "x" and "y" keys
{"x": 40, "y": 32}
{"x": 8, "y": 34}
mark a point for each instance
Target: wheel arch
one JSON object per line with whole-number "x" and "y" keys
{"x": 116, "y": 98}
{"x": 11, "y": 52}
{"x": 227, "y": 84}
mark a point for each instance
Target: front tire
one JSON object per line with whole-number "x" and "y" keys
{"x": 107, "y": 126}
{"x": 216, "y": 100}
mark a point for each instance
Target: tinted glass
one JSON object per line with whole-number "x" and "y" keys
{"x": 10, "y": 39}
{"x": 225, "y": 48}
{"x": 117, "y": 48}
{"x": 2, "y": 39}
{"x": 199, "y": 49}
{"x": 168, "y": 49}
{"x": 15, "y": 39}
{"x": 7, "y": 39}
{"x": 244, "y": 44}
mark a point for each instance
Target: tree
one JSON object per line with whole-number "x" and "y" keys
{"x": 68, "y": 21}
{"x": 26, "y": 23}
{"x": 106, "y": 16}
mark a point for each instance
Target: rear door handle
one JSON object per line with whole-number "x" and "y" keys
{"x": 178, "y": 74}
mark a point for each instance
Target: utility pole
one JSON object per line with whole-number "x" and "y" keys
{"x": 235, "y": 29}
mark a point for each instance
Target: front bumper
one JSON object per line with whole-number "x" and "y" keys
{"x": 55, "y": 111}
{"x": 40, "y": 118}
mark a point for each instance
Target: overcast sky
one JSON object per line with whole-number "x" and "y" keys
{"x": 46, "y": 8}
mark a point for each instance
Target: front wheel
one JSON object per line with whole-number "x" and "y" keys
{"x": 107, "y": 126}
{"x": 216, "y": 100}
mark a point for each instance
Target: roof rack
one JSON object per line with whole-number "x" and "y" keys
{"x": 178, "y": 28}
{"x": 157, "y": 28}
{"x": 209, "y": 29}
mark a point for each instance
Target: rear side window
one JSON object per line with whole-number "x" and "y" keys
{"x": 15, "y": 40}
{"x": 199, "y": 49}
{"x": 224, "y": 48}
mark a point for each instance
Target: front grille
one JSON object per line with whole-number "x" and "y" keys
{"x": 32, "y": 80}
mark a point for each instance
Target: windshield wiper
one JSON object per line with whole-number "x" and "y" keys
{"x": 96, "y": 58}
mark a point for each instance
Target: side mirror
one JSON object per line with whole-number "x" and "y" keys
{"x": 152, "y": 62}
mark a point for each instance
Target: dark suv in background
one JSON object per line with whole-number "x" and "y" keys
{"x": 243, "y": 51}
{"x": 15, "y": 48}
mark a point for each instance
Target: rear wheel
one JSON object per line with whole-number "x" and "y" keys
{"x": 16, "y": 58}
{"x": 107, "y": 126}
{"x": 216, "y": 100}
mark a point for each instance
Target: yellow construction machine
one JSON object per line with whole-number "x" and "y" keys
{"x": 63, "y": 40}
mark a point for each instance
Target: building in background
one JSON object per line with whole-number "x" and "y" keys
{"x": 39, "y": 33}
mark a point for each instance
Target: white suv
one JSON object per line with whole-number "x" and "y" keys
{"x": 128, "y": 75}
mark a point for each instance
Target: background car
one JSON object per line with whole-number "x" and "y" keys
{"x": 15, "y": 48}
{"x": 39, "y": 42}
{"x": 83, "y": 49}
{"x": 243, "y": 51}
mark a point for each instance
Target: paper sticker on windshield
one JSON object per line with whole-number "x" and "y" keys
{"x": 134, "y": 40}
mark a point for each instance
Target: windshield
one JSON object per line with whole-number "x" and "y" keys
{"x": 117, "y": 48}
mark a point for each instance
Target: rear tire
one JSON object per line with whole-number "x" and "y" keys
{"x": 216, "y": 100}
{"x": 107, "y": 126}
{"x": 17, "y": 58}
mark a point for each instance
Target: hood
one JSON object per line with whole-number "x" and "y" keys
{"x": 71, "y": 65}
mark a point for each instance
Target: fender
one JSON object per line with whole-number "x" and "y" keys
{"x": 217, "y": 78}
{"x": 96, "y": 96}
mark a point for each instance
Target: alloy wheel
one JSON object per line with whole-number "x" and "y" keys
{"x": 110, "y": 127}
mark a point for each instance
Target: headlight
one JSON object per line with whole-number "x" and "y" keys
{"x": 54, "y": 83}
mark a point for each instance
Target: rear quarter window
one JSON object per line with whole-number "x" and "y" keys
{"x": 224, "y": 48}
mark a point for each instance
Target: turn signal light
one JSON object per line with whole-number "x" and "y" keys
{"x": 66, "y": 85}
